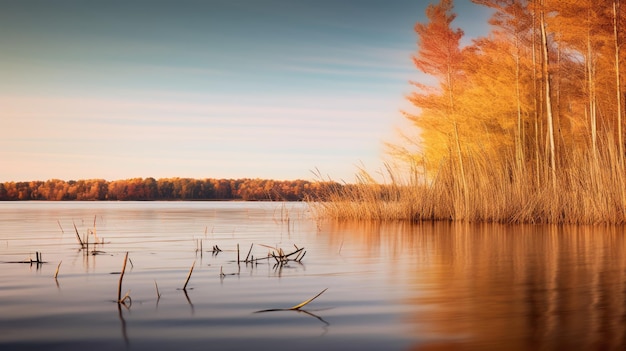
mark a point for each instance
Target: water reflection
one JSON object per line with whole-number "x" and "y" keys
{"x": 123, "y": 322}
{"x": 391, "y": 286}
{"x": 501, "y": 287}
{"x": 193, "y": 309}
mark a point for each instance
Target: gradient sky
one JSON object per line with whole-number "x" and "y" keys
{"x": 205, "y": 89}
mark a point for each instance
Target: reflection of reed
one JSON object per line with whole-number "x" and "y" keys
{"x": 298, "y": 308}
{"x": 123, "y": 323}
{"x": 496, "y": 286}
{"x": 309, "y": 313}
{"x": 193, "y": 310}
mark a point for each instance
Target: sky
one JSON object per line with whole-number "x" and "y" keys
{"x": 273, "y": 89}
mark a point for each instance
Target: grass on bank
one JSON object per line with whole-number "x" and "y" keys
{"x": 587, "y": 189}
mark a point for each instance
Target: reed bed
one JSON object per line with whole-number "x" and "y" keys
{"x": 281, "y": 257}
{"x": 585, "y": 189}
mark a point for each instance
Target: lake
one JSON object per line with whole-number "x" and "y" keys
{"x": 390, "y": 286}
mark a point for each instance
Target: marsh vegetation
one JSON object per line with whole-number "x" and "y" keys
{"x": 524, "y": 125}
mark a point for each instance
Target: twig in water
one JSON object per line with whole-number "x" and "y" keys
{"x": 249, "y": 251}
{"x": 296, "y": 307}
{"x": 302, "y": 304}
{"x": 80, "y": 241}
{"x": 199, "y": 246}
{"x": 56, "y": 274}
{"x": 189, "y": 275}
{"x": 120, "y": 299}
{"x": 95, "y": 235}
{"x": 125, "y": 298}
{"x": 59, "y": 223}
{"x": 237, "y": 253}
{"x": 157, "y": 290}
{"x": 269, "y": 247}
{"x": 38, "y": 259}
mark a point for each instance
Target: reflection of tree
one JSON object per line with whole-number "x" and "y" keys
{"x": 504, "y": 287}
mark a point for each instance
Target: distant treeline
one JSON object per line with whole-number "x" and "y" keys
{"x": 166, "y": 189}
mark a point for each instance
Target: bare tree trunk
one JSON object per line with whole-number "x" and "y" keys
{"x": 546, "y": 75}
{"x": 536, "y": 104}
{"x": 519, "y": 149}
{"x": 452, "y": 114}
{"x": 591, "y": 88}
{"x": 616, "y": 15}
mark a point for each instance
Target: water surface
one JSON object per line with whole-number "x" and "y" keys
{"x": 391, "y": 286}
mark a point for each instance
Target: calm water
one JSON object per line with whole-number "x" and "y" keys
{"x": 391, "y": 286}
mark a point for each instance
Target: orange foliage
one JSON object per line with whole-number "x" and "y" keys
{"x": 490, "y": 98}
{"x": 165, "y": 189}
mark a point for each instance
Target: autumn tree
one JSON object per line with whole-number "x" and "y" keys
{"x": 512, "y": 21}
{"x": 440, "y": 56}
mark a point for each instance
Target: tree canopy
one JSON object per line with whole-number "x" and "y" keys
{"x": 545, "y": 83}
{"x": 166, "y": 189}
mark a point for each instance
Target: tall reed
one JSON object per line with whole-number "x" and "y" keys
{"x": 189, "y": 275}
{"x": 588, "y": 189}
{"x": 120, "y": 299}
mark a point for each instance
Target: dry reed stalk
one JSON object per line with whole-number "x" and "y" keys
{"x": 125, "y": 298}
{"x": 295, "y": 307}
{"x": 95, "y": 235}
{"x": 80, "y": 241}
{"x": 157, "y": 290}
{"x": 590, "y": 189}
{"x": 56, "y": 273}
{"x": 59, "y": 223}
{"x": 189, "y": 275}
{"x": 119, "y": 285}
{"x": 302, "y": 304}
{"x": 297, "y": 252}
{"x": 249, "y": 251}
{"x": 237, "y": 253}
